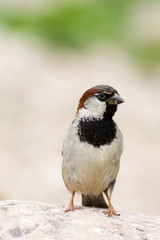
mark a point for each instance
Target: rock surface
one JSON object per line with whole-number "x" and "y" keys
{"x": 35, "y": 220}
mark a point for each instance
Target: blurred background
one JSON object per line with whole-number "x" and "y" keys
{"x": 50, "y": 53}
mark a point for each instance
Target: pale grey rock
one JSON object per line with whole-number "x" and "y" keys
{"x": 25, "y": 220}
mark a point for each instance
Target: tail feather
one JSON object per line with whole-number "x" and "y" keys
{"x": 94, "y": 201}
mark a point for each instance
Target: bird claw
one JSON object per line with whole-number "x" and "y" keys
{"x": 71, "y": 207}
{"x": 111, "y": 212}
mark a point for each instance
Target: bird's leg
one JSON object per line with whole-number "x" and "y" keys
{"x": 71, "y": 206}
{"x": 110, "y": 210}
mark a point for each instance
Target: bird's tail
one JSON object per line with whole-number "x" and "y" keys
{"x": 94, "y": 201}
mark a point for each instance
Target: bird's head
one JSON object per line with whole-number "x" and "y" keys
{"x": 98, "y": 102}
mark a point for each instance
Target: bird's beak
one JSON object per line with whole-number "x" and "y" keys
{"x": 115, "y": 99}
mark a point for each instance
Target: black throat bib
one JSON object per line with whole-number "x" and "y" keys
{"x": 97, "y": 131}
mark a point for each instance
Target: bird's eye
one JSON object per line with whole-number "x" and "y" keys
{"x": 102, "y": 96}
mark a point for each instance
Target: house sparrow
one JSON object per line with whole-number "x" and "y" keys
{"x": 92, "y": 149}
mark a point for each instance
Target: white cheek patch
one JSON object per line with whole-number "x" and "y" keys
{"x": 93, "y": 108}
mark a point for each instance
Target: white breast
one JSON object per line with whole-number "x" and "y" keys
{"x": 89, "y": 169}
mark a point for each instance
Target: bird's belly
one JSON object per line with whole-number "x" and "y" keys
{"x": 88, "y": 169}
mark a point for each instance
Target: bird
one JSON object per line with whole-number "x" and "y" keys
{"x": 92, "y": 149}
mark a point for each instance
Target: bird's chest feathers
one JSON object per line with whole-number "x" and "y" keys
{"x": 92, "y": 140}
{"x": 96, "y": 132}
{"x": 91, "y": 159}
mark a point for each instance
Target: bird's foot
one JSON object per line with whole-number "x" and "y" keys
{"x": 71, "y": 207}
{"x": 111, "y": 212}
